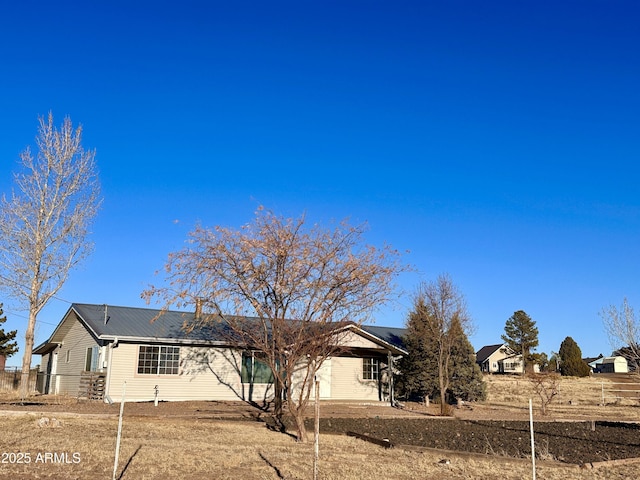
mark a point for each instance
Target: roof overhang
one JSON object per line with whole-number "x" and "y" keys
{"x": 46, "y": 347}
{"x": 172, "y": 341}
{"x": 374, "y": 338}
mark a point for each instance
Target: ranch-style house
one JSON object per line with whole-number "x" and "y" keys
{"x": 95, "y": 349}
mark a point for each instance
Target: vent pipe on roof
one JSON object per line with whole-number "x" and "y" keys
{"x": 106, "y": 317}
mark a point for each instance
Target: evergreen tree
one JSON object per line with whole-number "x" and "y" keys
{"x": 521, "y": 336}
{"x": 467, "y": 382}
{"x": 571, "y": 363}
{"x": 419, "y": 376}
{"x": 7, "y": 346}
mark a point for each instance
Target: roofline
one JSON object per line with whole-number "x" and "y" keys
{"x": 373, "y": 337}
{"x": 186, "y": 341}
{"x": 55, "y": 330}
{"x": 181, "y": 341}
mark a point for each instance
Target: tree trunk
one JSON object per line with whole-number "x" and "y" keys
{"x": 301, "y": 430}
{"x": 26, "y": 357}
{"x": 277, "y": 403}
{"x": 443, "y": 389}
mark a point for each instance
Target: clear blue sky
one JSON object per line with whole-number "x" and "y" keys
{"x": 496, "y": 141}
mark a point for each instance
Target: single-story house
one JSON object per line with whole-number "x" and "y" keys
{"x": 498, "y": 359}
{"x": 609, "y": 365}
{"x": 95, "y": 349}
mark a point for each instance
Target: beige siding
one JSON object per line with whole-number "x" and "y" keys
{"x": 347, "y": 382}
{"x": 323, "y": 375}
{"x": 353, "y": 340}
{"x": 72, "y": 355}
{"x": 205, "y": 374}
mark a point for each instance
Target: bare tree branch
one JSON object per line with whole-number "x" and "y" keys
{"x": 45, "y": 221}
{"x": 284, "y": 289}
{"x": 623, "y": 329}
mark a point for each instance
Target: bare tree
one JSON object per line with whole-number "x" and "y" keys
{"x": 441, "y": 311}
{"x": 284, "y": 291}
{"x": 623, "y": 328}
{"x": 44, "y": 222}
{"x": 546, "y": 386}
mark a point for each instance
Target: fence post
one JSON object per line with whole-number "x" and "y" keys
{"x": 533, "y": 445}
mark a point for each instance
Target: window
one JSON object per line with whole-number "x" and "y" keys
{"x": 255, "y": 370}
{"x": 154, "y": 360}
{"x": 370, "y": 369}
{"x": 91, "y": 362}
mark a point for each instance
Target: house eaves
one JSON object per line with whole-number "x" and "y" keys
{"x": 395, "y": 349}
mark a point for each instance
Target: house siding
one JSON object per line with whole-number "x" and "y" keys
{"x": 352, "y": 340}
{"x": 323, "y": 375}
{"x": 71, "y": 359}
{"x": 205, "y": 374}
{"x": 347, "y": 382}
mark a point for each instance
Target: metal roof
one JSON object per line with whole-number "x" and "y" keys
{"x": 391, "y": 335}
{"x": 108, "y": 322}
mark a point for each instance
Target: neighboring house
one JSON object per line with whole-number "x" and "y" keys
{"x": 104, "y": 346}
{"x": 498, "y": 359}
{"x": 609, "y": 365}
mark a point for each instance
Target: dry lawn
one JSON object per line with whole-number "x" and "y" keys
{"x": 578, "y": 398}
{"x": 192, "y": 448}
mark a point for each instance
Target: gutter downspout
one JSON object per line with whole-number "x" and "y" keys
{"x": 392, "y": 400}
{"x": 107, "y": 385}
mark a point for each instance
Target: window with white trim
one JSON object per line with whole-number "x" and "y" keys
{"x": 158, "y": 360}
{"x": 370, "y": 369}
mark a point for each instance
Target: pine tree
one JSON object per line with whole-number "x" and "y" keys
{"x": 419, "y": 370}
{"x": 7, "y": 346}
{"x": 571, "y": 363}
{"x": 521, "y": 336}
{"x": 467, "y": 382}
{"x": 425, "y": 339}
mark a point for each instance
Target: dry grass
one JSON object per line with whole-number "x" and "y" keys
{"x": 577, "y": 397}
{"x": 191, "y": 448}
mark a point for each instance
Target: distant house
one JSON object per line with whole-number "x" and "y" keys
{"x": 95, "y": 349}
{"x": 610, "y": 365}
{"x": 498, "y": 359}
{"x": 594, "y": 363}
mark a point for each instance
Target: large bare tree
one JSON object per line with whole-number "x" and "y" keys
{"x": 623, "y": 329}
{"x": 44, "y": 222}
{"x": 285, "y": 290}
{"x": 440, "y": 317}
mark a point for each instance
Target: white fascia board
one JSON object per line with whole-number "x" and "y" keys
{"x": 173, "y": 341}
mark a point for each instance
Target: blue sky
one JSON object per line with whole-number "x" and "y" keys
{"x": 496, "y": 141}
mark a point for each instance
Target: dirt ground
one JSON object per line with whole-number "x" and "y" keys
{"x": 477, "y": 428}
{"x": 571, "y": 442}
